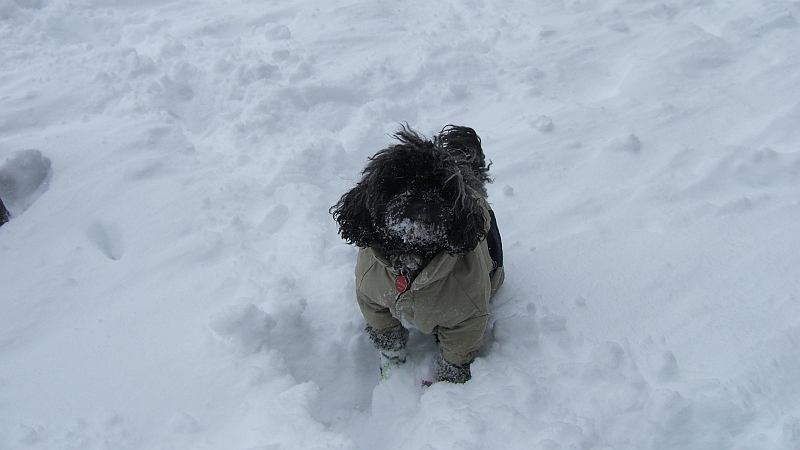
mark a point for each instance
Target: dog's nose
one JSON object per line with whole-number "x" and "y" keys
{"x": 418, "y": 211}
{"x": 419, "y": 208}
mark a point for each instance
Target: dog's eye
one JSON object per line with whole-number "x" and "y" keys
{"x": 387, "y": 187}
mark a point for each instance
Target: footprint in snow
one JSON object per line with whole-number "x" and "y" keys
{"x": 629, "y": 143}
{"x": 275, "y": 218}
{"x": 107, "y": 238}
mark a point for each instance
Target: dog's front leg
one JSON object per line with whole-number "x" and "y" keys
{"x": 459, "y": 346}
{"x": 392, "y": 347}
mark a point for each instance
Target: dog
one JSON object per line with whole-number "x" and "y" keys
{"x": 430, "y": 253}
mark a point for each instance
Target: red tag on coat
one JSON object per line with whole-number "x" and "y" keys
{"x": 401, "y": 283}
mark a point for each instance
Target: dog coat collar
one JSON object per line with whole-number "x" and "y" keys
{"x": 439, "y": 267}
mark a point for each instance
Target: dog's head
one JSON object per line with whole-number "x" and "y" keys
{"x": 419, "y": 195}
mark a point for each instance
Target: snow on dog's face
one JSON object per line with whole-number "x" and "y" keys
{"x": 419, "y": 196}
{"x": 417, "y": 219}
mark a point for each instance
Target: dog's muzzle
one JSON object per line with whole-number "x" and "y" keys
{"x": 421, "y": 211}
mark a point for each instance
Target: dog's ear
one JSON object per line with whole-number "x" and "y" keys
{"x": 468, "y": 228}
{"x": 352, "y": 213}
{"x": 454, "y": 137}
{"x": 464, "y": 144}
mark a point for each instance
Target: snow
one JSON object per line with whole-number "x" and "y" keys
{"x": 171, "y": 277}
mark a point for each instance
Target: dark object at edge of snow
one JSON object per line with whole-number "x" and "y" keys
{"x": 3, "y": 213}
{"x": 24, "y": 176}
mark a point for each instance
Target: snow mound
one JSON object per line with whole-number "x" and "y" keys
{"x": 24, "y": 176}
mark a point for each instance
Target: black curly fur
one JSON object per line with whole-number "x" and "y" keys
{"x": 448, "y": 173}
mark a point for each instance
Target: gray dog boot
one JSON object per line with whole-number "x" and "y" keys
{"x": 447, "y": 371}
{"x": 392, "y": 347}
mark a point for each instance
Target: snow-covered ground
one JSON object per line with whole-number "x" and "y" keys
{"x": 171, "y": 278}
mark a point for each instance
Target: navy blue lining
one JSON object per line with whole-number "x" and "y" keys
{"x": 495, "y": 245}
